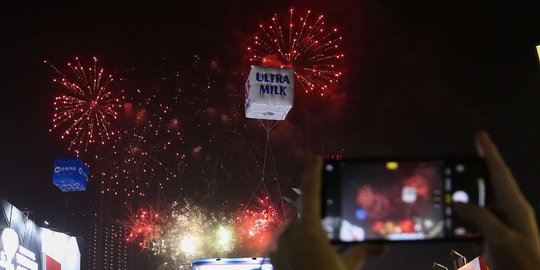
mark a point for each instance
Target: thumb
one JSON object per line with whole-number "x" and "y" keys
{"x": 482, "y": 219}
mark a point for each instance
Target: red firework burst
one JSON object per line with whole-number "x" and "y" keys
{"x": 376, "y": 204}
{"x": 303, "y": 43}
{"x": 86, "y": 111}
{"x": 143, "y": 227}
{"x": 258, "y": 224}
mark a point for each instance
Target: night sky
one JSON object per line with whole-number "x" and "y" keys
{"x": 420, "y": 78}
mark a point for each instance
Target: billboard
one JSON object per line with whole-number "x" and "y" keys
{"x": 26, "y": 246}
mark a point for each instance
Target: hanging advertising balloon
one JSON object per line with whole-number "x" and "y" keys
{"x": 70, "y": 174}
{"x": 269, "y": 92}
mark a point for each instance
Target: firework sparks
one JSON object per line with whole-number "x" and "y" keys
{"x": 177, "y": 129}
{"x": 145, "y": 153}
{"x": 224, "y": 239}
{"x": 303, "y": 43}
{"x": 258, "y": 224}
{"x": 186, "y": 231}
{"x": 86, "y": 111}
{"x": 190, "y": 232}
{"x": 143, "y": 227}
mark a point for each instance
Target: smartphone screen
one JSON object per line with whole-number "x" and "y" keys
{"x": 373, "y": 200}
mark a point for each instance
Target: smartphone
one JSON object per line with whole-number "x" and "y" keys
{"x": 400, "y": 199}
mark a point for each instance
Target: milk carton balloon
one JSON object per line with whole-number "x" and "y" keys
{"x": 269, "y": 92}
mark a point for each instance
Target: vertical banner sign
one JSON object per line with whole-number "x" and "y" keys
{"x": 269, "y": 92}
{"x": 70, "y": 174}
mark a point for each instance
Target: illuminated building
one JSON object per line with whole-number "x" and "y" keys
{"x": 108, "y": 249}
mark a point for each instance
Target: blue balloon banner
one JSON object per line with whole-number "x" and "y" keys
{"x": 70, "y": 174}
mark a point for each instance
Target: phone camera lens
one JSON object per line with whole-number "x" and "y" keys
{"x": 329, "y": 167}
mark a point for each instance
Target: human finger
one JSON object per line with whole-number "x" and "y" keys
{"x": 311, "y": 192}
{"x": 509, "y": 202}
{"x": 483, "y": 219}
{"x": 280, "y": 254}
{"x": 501, "y": 176}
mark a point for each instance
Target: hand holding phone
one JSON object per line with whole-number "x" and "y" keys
{"x": 303, "y": 243}
{"x": 510, "y": 233}
{"x": 509, "y": 227}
